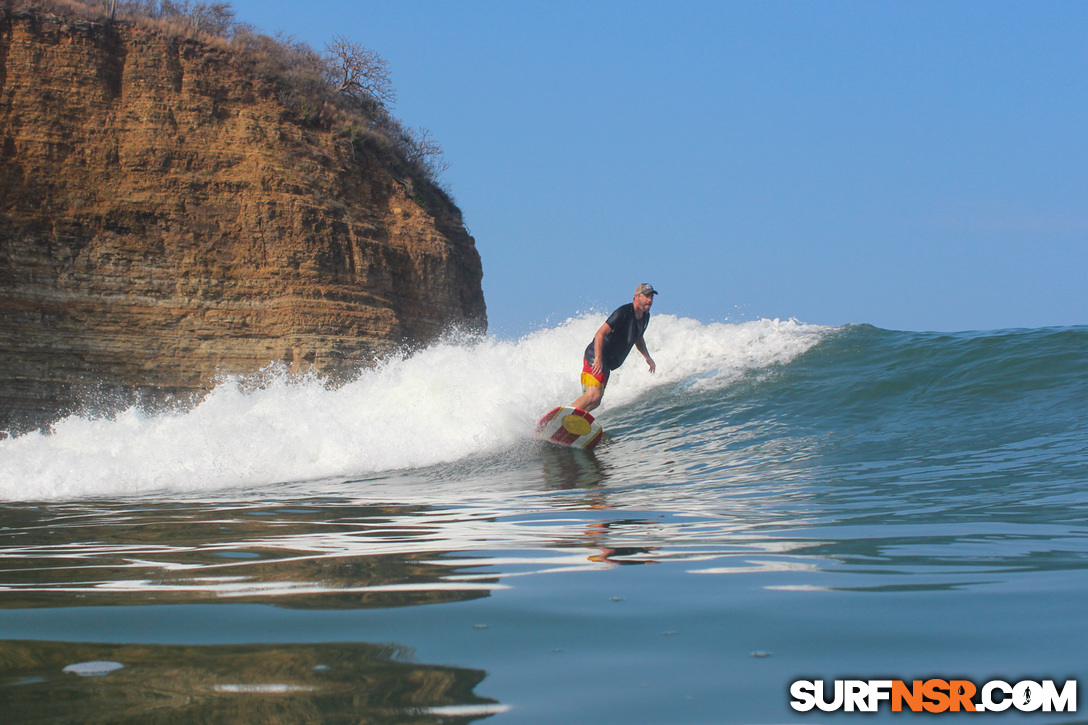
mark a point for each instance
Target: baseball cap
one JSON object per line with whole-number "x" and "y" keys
{"x": 645, "y": 289}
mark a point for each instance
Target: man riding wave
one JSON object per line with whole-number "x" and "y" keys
{"x": 622, "y": 330}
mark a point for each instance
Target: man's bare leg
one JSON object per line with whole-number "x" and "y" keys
{"x": 590, "y": 399}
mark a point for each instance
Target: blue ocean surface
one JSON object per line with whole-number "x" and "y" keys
{"x": 779, "y": 502}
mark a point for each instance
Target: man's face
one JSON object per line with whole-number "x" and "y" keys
{"x": 643, "y": 302}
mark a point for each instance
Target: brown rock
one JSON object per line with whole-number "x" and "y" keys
{"x": 164, "y": 219}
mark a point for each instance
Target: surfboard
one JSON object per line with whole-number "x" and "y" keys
{"x": 567, "y": 426}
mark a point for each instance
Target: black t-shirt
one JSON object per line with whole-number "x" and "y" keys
{"x": 626, "y": 331}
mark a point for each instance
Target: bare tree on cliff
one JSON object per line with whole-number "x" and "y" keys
{"x": 423, "y": 150}
{"x": 359, "y": 74}
{"x": 211, "y": 18}
{"x": 215, "y": 18}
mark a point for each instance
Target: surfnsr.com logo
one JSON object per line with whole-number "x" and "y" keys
{"x": 934, "y": 695}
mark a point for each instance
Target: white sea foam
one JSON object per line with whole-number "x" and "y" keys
{"x": 92, "y": 669}
{"x": 443, "y": 404}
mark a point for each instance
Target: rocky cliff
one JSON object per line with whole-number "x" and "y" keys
{"x": 164, "y": 219}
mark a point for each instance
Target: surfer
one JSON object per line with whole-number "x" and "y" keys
{"x": 621, "y": 331}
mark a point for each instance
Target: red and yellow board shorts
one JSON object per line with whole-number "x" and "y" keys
{"x": 591, "y": 380}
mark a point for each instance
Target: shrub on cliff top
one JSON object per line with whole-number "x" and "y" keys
{"x": 346, "y": 87}
{"x": 178, "y": 17}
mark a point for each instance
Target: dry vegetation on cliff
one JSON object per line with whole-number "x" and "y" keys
{"x": 346, "y": 88}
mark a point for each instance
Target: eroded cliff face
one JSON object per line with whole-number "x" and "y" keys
{"x": 164, "y": 220}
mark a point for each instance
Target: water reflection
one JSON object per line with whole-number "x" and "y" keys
{"x": 346, "y": 556}
{"x": 252, "y": 683}
{"x": 600, "y": 534}
{"x": 567, "y": 468}
{"x": 337, "y": 554}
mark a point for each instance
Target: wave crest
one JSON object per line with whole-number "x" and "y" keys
{"x": 455, "y": 399}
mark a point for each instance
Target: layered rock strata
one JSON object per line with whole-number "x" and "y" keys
{"x": 164, "y": 220}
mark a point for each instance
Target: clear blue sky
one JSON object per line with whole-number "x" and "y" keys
{"x": 913, "y": 165}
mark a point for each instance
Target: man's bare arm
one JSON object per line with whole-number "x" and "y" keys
{"x": 640, "y": 345}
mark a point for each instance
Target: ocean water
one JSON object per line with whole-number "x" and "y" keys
{"x": 779, "y": 502}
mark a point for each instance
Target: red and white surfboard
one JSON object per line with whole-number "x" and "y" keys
{"x": 567, "y": 426}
